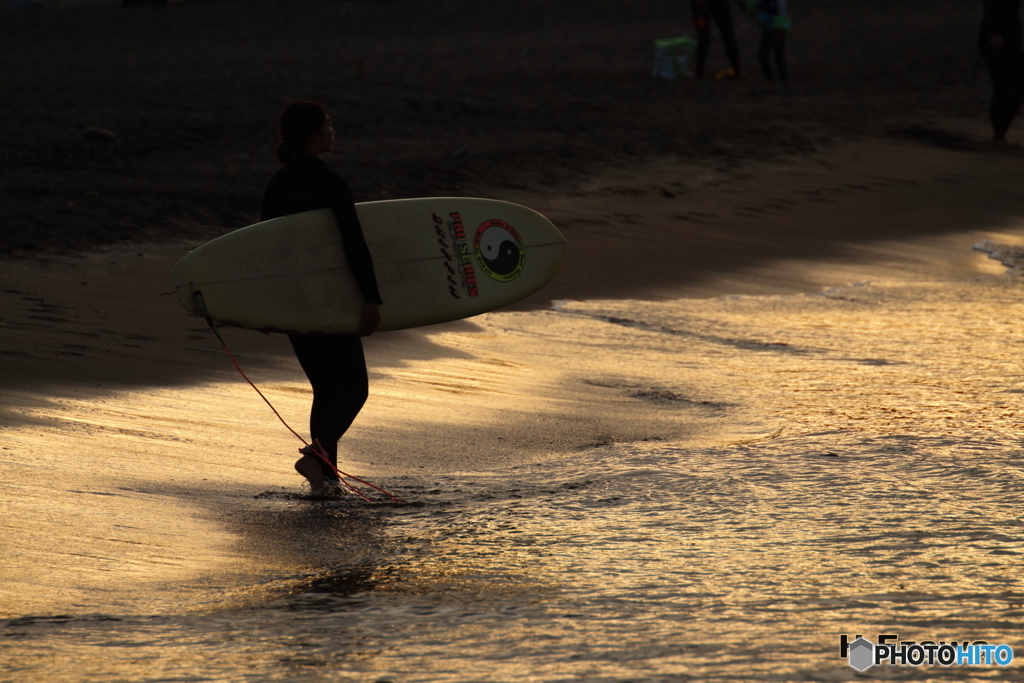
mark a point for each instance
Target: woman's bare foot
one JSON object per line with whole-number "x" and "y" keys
{"x": 309, "y": 467}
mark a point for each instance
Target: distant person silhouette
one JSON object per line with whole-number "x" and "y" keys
{"x": 1000, "y": 44}
{"x": 773, "y": 20}
{"x": 703, "y": 12}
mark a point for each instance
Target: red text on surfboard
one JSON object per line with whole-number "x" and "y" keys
{"x": 456, "y": 252}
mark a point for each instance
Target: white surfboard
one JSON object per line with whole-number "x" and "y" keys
{"x": 437, "y": 259}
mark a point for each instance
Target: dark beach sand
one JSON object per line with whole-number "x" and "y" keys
{"x": 431, "y": 98}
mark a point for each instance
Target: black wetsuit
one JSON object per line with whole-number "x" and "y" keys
{"x": 703, "y": 12}
{"x": 1005, "y": 66}
{"x": 334, "y": 363}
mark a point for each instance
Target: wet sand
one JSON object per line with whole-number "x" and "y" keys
{"x": 132, "y": 449}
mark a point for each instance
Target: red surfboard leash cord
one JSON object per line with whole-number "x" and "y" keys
{"x": 315, "y": 448}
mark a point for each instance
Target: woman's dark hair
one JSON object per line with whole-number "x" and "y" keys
{"x": 299, "y": 121}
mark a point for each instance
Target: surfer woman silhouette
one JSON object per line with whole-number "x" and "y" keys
{"x": 333, "y": 363}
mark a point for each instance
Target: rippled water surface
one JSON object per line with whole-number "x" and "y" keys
{"x": 865, "y": 477}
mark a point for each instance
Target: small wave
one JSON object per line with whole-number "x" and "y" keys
{"x": 1011, "y": 256}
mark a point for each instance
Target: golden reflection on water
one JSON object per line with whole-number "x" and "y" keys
{"x": 864, "y": 475}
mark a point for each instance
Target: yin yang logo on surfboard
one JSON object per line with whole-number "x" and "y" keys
{"x": 499, "y": 250}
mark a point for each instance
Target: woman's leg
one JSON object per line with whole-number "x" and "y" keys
{"x": 702, "y": 22}
{"x": 1013, "y": 92}
{"x": 723, "y": 17}
{"x": 1007, "y": 89}
{"x": 336, "y": 369}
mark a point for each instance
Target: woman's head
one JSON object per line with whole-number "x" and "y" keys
{"x": 304, "y": 128}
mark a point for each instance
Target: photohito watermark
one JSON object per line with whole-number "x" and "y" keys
{"x": 862, "y": 654}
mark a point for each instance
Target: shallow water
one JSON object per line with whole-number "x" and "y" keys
{"x": 802, "y": 467}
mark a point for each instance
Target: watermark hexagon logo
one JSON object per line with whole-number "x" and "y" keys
{"x": 861, "y": 654}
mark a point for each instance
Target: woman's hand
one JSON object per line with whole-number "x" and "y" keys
{"x": 369, "y": 320}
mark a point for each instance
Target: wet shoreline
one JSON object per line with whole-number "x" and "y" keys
{"x": 650, "y": 458}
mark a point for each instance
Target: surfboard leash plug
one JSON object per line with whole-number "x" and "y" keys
{"x": 197, "y": 299}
